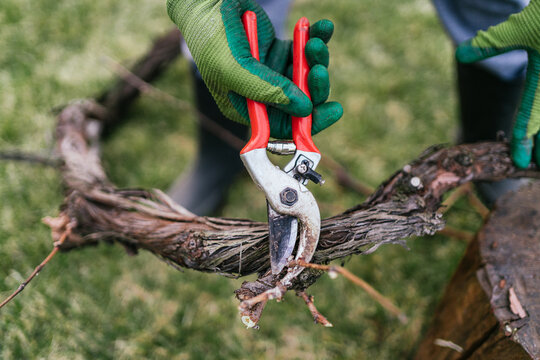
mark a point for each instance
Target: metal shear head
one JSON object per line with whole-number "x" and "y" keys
{"x": 285, "y": 196}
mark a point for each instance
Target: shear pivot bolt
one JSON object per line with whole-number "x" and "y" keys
{"x": 288, "y": 196}
{"x": 302, "y": 168}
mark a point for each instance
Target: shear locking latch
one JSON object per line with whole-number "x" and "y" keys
{"x": 304, "y": 170}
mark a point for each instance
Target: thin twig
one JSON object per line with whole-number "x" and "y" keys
{"x": 251, "y": 316}
{"x": 463, "y": 190}
{"x": 344, "y": 178}
{"x": 317, "y": 316}
{"x": 448, "y": 344}
{"x": 40, "y": 267}
{"x": 274, "y": 293}
{"x": 145, "y": 87}
{"x": 478, "y": 205}
{"x": 454, "y": 197}
{"x": 158, "y": 94}
{"x": 251, "y": 309}
{"x": 377, "y": 296}
{"x": 474, "y": 201}
{"x": 31, "y": 158}
{"x": 457, "y": 233}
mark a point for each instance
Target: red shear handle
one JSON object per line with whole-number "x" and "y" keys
{"x": 258, "y": 117}
{"x": 301, "y": 127}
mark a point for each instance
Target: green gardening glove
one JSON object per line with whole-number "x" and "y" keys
{"x": 520, "y": 31}
{"x": 214, "y": 34}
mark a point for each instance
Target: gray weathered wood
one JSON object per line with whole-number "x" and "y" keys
{"x": 479, "y": 312}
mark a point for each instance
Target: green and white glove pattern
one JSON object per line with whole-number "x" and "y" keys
{"x": 520, "y": 31}
{"x": 214, "y": 34}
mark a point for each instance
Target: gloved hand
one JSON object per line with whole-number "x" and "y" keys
{"x": 214, "y": 34}
{"x": 520, "y": 31}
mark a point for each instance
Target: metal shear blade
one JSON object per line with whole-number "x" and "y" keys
{"x": 282, "y": 231}
{"x": 274, "y": 182}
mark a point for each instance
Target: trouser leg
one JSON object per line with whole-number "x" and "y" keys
{"x": 217, "y": 163}
{"x": 487, "y": 108}
{"x": 487, "y": 103}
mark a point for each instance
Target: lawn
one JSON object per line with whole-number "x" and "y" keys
{"x": 392, "y": 69}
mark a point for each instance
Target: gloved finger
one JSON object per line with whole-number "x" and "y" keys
{"x": 280, "y": 124}
{"x": 322, "y": 29}
{"x": 521, "y": 145}
{"x": 467, "y": 52}
{"x": 521, "y": 149}
{"x": 279, "y": 55}
{"x": 317, "y": 52}
{"x": 289, "y": 72}
{"x": 299, "y": 104}
{"x": 318, "y": 84}
{"x": 325, "y": 115}
{"x": 529, "y": 109}
{"x": 260, "y": 83}
{"x": 527, "y": 122}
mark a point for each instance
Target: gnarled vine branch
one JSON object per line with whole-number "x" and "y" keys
{"x": 404, "y": 206}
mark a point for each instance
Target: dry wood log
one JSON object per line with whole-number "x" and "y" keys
{"x": 491, "y": 308}
{"x": 404, "y": 206}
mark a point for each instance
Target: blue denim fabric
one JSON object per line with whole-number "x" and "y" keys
{"x": 277, "y": 11}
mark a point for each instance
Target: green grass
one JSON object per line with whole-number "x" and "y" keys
{"x": 392, "y": 70}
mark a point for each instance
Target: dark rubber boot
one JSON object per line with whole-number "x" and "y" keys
{"x": 202, "y": 188}
{"x": 487, "y": 107}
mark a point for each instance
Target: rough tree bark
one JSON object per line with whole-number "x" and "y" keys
{"x": 491, "y": 307}
{"x": 406, "y": 205}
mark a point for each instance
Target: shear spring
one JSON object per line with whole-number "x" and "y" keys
{"x": 281, "y": 147}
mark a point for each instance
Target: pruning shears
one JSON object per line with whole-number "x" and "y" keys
{"x": 290, "y": 204}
